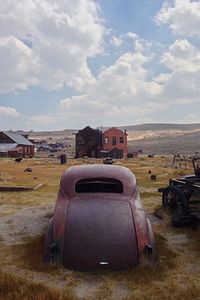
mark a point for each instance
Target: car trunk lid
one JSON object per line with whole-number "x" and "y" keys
{"x": 99, "y": 233}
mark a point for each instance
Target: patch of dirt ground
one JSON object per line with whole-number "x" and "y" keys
{"x": 26, "y": 223}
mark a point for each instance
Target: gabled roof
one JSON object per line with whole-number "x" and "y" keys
{"x": 88, "y": 129}
{"x": 114, "y": 129}
{"x": 18, "y": 139}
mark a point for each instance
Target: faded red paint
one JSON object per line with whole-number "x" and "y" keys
{"x": 114, "y": 134}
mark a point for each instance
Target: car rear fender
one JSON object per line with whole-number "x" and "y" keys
{"x": 151, "y": 252}
{"x": 48, "y": 241}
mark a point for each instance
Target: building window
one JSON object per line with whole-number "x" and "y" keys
{"x": 92, "y": 140}
{"x": 121, "y": 139}
{"x": 106, "y": 140}
{"x": 79, "y": 140}
{"x": 114, "y": 140}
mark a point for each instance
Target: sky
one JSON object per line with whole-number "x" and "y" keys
{"x": 69, "y": 64}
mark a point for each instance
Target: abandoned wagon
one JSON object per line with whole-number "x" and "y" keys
{"x": 99, "y": 220}
{"x": 182, "y": 196}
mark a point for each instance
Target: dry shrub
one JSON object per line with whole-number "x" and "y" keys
{"x": 166, "y": 291}
{"x": 13, "y": 288}
{"x": 194, "y": 238}
{"x": 29, "y": 255}
{"x": 106, "y": 289}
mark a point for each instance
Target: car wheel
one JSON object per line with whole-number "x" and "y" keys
{"x": 180, "y": 220}
{"x": 174, "y": 198}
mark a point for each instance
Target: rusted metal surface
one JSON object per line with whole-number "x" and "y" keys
{"x": 153, "y": 177}
{"x": 182, "y": 196}
{"x": 99, "y": 220}
{"x": 108, "y": 161}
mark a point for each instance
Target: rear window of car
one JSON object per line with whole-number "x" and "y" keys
{"x": 99, "y": 185}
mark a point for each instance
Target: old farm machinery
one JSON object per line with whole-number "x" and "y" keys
{"x": 182, "y": 196}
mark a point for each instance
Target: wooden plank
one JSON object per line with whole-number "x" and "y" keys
{"x": 19, "y": 188}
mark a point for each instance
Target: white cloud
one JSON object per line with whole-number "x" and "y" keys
{"x": 41, "y": 120}
{"x": 132, "y": 35}
{"x": 116, "y": 41}
{"x": 18, "y": 65}
{"x": 182, "y": 57}
{"x": 48, "y": 43}
{"x": 122, "y": 91}
{"x": 191, "y": 118}
{"x": 126, "y": 92}
{"x": 183, "y": 17}
{"x": 139, "y": 44}
{"x": 7, "y": 111}
{"x": 181, "y": 84}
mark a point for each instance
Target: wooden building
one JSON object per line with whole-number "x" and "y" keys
{"x": 12, "y": 144}
{"x": 88, "y": 142}
{"x": 115, "y": 142}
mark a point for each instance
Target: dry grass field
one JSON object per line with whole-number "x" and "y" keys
{"x": 24, "y": 217}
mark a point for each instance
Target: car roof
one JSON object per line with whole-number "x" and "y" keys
{"x": 80, "y": 172}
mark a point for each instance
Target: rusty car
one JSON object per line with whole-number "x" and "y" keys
{"x": 99, "y": 220}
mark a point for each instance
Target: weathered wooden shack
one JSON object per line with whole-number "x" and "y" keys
{"x": 88, "y": 142}
{"x": 13, "y": 145}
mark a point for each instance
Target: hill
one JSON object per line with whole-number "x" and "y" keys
{"x": 152, "y": 138}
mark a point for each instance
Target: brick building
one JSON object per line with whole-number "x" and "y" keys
{"x": 114, "y": 141}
